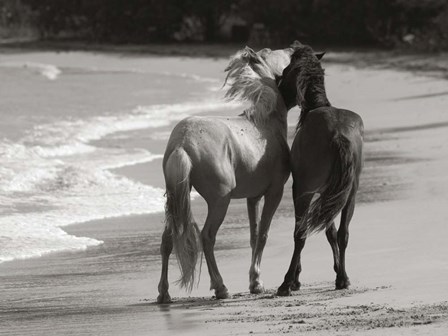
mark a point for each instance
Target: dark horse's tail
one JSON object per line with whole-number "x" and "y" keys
{"x": 335, "y": 192}
{"x": 178, "y": 217}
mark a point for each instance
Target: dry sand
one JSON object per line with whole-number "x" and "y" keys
{"x": 396, "y": 260}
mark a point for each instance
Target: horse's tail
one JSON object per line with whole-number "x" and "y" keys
{"x": 334, "y": 194}
{"x": 178, "y": 217}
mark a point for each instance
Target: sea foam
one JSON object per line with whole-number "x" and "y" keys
{"x": 49, "y": 71}
{"x": 55, "y": 176}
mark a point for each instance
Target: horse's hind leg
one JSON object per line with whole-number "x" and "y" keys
{"x": 271, "y": 202}
{"x": 332, "y": 237}
{"x": 291, "y": 281}
{"x": 216, "y": 212}
{"x": 299, "y": 244}
{"x": 165, "y": 250}
{"x": 342, "y": 280}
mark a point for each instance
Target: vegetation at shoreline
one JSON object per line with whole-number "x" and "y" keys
{"x": 409, "y": 24}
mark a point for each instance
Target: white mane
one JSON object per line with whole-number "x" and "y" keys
{"x": 251, "y": 79}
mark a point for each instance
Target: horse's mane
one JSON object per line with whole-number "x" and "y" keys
{"x": 251, "y": 79}
{"x": 310, "y": 80}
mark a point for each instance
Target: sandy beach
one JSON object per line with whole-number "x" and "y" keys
{"x": 396, "y": 257}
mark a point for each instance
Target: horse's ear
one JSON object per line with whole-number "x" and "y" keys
{"x": 250, "y": 56}
{"x": 249, "y": 52}
{"x": 244, "y": 56}
{"x": 296, "y": 44}
{"x": 319, "y": 55}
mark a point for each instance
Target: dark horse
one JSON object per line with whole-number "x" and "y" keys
{"x": 326, "y": 162}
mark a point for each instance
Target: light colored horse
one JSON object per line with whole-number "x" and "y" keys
{"x": 246, "y": 156}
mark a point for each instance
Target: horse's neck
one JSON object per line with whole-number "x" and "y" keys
{"x": 275, "y": 123}
{"x": 276, "y": 120}
{"x": 281, "y": 117}
{"x": 315, "y": 97}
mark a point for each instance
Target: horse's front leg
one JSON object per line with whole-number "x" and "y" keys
{"x": 271, "y": 201}
{"x": 252, "y": 210}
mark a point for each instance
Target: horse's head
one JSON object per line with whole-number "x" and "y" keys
{"x": 252, "y": 77}
{"x": 276, "y": 60}
{"x": 265, "y": 63}
{"x": 304, "y": 68}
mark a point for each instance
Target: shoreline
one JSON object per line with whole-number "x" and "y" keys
{"x": 433, "y": 64}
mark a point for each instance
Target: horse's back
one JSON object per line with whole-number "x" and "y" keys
{"x": 335, "y": 121}
{"x": 230, "y": 153}
{"x": 205, "y": 140}
{"x": 198, "y": 136}
{"x": 327, "y": 122}
{"x": 312, "y": 152}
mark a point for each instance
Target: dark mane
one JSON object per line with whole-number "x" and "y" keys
{"x": 309, "y": 82}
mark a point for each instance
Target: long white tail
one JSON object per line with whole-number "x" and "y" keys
{"x": 178, "y": 216}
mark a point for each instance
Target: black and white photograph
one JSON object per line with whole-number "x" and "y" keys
{"x": 223, "y": 167}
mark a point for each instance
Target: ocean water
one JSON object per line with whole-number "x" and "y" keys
{"x": 54, "y": 172}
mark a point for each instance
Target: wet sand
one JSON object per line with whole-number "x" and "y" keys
{"x": 396, "y": 258}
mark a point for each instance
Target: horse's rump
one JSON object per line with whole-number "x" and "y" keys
{"x": 178, "y": 217}
{"x": 334, "y": 194}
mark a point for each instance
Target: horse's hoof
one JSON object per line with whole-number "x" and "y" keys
{"x": 257, "y": 288}
{"x": 295, "y": 286}
{"x": 164, "y": 298}
{"x": 222, "y": 293}
{"x": 284, "y": 291}
{"x": 342, "y": 283}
